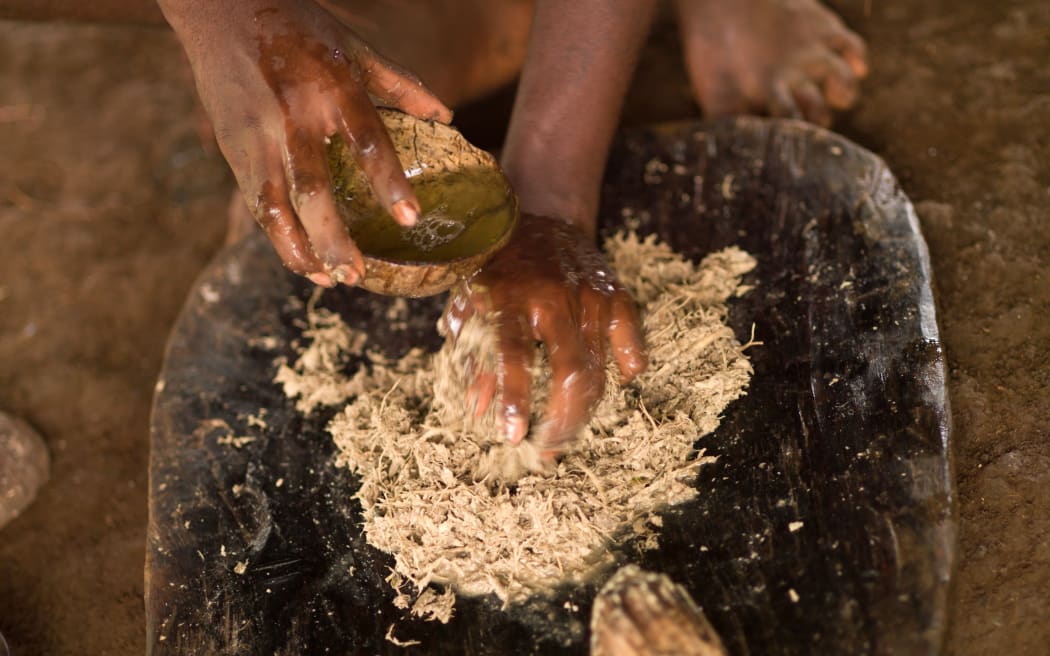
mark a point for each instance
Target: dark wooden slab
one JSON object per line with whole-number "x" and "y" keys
{"x": 825, "y": 527}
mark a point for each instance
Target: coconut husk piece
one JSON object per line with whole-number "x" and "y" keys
{"x": 641, "y": 613}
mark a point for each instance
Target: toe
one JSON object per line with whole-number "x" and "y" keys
{"x": 852, "y": 49}
{"x": 811, "y": 102}
{"x": 840, "y": 84}
{"x": 782, "y": 102}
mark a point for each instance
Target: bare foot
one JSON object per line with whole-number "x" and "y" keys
{"x": 789, "y": 58}
{"x": 24, "y": 465}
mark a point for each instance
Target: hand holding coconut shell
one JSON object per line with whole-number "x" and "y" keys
{"x": 278, "y": 78}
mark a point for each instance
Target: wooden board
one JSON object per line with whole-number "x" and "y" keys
{"x": 825, "y": 527}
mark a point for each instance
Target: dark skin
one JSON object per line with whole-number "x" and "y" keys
{"x": 301, "y": 76}
{"x": 142, "y": 12}
{"x": 550, "y": 284}
{"x": 787, "y": 58}
{"x": 278, "y": 77}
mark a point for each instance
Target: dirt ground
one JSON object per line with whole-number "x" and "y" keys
{"x": 109, "y": 206}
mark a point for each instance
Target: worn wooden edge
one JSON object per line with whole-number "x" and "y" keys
{"x": 884, "y": 221}
{"x": 886, "y": 215}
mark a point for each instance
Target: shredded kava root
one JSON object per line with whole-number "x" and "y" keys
{"x": 456, "y": 506}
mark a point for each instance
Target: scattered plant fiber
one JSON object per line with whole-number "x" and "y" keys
{"x": 456, "y": 506}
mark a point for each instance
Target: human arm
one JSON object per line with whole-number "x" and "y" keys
{"x": 277, "y": 78}
{"x": 550, "y": 283}
{"x": 579, "y": 64}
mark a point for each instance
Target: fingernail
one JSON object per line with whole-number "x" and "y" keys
{"x": 346, "y": 275}
{"x": 405, "y": 213}
{"x": 322, "y": 279}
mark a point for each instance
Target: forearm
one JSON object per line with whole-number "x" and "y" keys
{"x": 141, "y": 12}
{"x": 207, "y": 22}
{"x": 580, "y": 60}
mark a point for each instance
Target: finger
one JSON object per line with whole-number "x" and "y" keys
{"x": 373, "y": 151}
{"x": 594, "y": 317}
{"x": 853, "y": 50}
{"x": 514, "y": 356}
{"x": 577, "y": 380}
{"x": 458, "y": 310}
{"x": 396, "y": 87}
{"x": 311, "y": 196}
{"x": 266, "y": 192}
{"x": 624, "y": 333}
{"x": 481, "y": 393}
{"x": 463, "y": 305}
{"x": 840, "y": 84}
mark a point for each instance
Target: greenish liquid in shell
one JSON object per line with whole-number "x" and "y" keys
{"x": 463, "y": 213}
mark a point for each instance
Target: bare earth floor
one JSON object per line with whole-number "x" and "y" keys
{"x": 109, "y": 206}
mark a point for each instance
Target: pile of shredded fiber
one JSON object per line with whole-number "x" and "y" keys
{"x": 456, "y": 506}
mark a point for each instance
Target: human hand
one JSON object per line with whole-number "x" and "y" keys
{"x": 549, "y": 284}
{"x": 278, "y": 78}
{"x": 788, "y": 58}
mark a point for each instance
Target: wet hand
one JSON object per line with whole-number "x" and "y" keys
{"x": 278, "y": 78}
{"x": 550, "y": 285}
